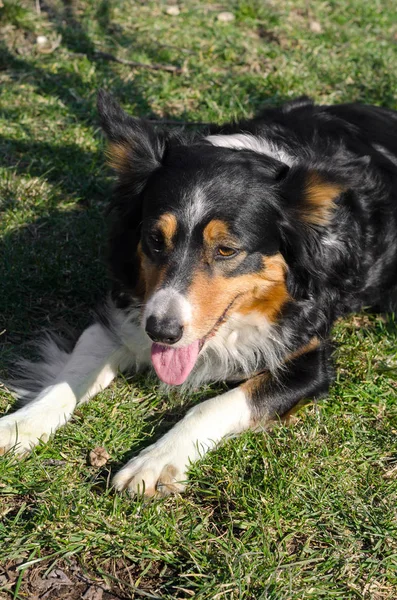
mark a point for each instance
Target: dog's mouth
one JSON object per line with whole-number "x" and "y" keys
{"x": 174, "y": 365}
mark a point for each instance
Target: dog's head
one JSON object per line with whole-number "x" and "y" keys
{"x": 200, "y": 232}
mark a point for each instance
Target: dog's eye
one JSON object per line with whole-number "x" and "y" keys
{"x": 156, "y": 242}
{"x": 225, "y": 252}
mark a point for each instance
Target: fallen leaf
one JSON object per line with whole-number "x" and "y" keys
{"x": 60, "y": 576}
{"x": 98, "y": 457}
{"x": 359, "y": 321}
{"x": 315, "y": 27}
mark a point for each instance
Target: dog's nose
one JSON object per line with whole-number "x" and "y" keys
{"x": 167, "y": 331}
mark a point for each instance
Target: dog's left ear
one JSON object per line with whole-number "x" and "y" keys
{"x": 135, "y": 148}
{"x": 311, "y": 194}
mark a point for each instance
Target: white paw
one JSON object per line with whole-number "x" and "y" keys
{"x": 25, "y": 428}
{"x": 160, "y": 470}
{"x": 20, "y": 433}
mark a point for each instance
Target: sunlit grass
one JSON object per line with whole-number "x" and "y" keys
{"x": 307, "y": 511}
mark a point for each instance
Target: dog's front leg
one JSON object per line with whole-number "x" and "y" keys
{"x": 90, "y": 368}
{"x": 162, "y": 467}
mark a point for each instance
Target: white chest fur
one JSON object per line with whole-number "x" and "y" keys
{"x": 240, "y": 347}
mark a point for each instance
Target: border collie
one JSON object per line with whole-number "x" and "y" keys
{"x": 232, "y": 253}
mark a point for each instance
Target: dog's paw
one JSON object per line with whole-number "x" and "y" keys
{"x": 35, "y": 422}
{"x": 20, "y": 433}
{"x": 157, "y": 470}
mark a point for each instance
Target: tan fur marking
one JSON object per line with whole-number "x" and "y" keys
{"x": 251, "y": 386}
{"x": 215, "y": 232}
{"x": 168, "y": 224}
{"x": 213, "y": 296}
{"x": 150, "y": 276}
{"x": 312, "y": 345}
{"x": 270, "y": 301}
{"x": 320, "y": 196}
{"x": 118, "y": 156}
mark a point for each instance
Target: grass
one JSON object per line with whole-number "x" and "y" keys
{"x": 303, "y": 512}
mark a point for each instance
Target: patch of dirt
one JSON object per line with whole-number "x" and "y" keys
{"x": 11, "y": 505}
{"x": 70, "y": 581}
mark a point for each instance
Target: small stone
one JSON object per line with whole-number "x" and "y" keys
{"x": 98, "y": 457}
{"x": 315, "y": 27}
{"x": 41, "y": 40}
{"x": 173, "y": 11}
{"x": 226, "y": 17}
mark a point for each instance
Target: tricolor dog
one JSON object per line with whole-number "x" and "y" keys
{"x": 232, "y": 253}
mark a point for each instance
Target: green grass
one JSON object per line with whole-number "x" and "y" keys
{"x": 303, "y": 512}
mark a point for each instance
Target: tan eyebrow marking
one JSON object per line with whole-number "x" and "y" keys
{"x": 168, "y": 225}
{"x": 215, "y": 230}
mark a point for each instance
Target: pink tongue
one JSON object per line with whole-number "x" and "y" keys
{"x": 173, "y": 365}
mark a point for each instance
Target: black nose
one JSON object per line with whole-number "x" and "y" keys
{"x": 167, "y": 331}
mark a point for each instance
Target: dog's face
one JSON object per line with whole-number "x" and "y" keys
{"x": 198, "y": 238}
{"x": 201, "y": 258}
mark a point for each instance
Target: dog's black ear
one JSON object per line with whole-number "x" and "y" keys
{"x": 135, "y": 148}
{"x": 310, "y": 194}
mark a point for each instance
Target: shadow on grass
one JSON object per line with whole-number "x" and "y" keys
{"x": 51, "y": 269}
{"x": 52, "y": 266}
{"x": 75, "y": 172}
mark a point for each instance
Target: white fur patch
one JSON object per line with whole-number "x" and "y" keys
{"x": 168, "y": 302}
{"x": 195, "y": 209}
{"x": 132, "y": 336}
{"x": 162, "y": 467}
{"x": 241, "y": 346}
{"x": 246, "y": 141}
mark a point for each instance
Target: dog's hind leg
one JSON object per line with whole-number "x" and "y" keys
{"x": 88, "y": 369}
